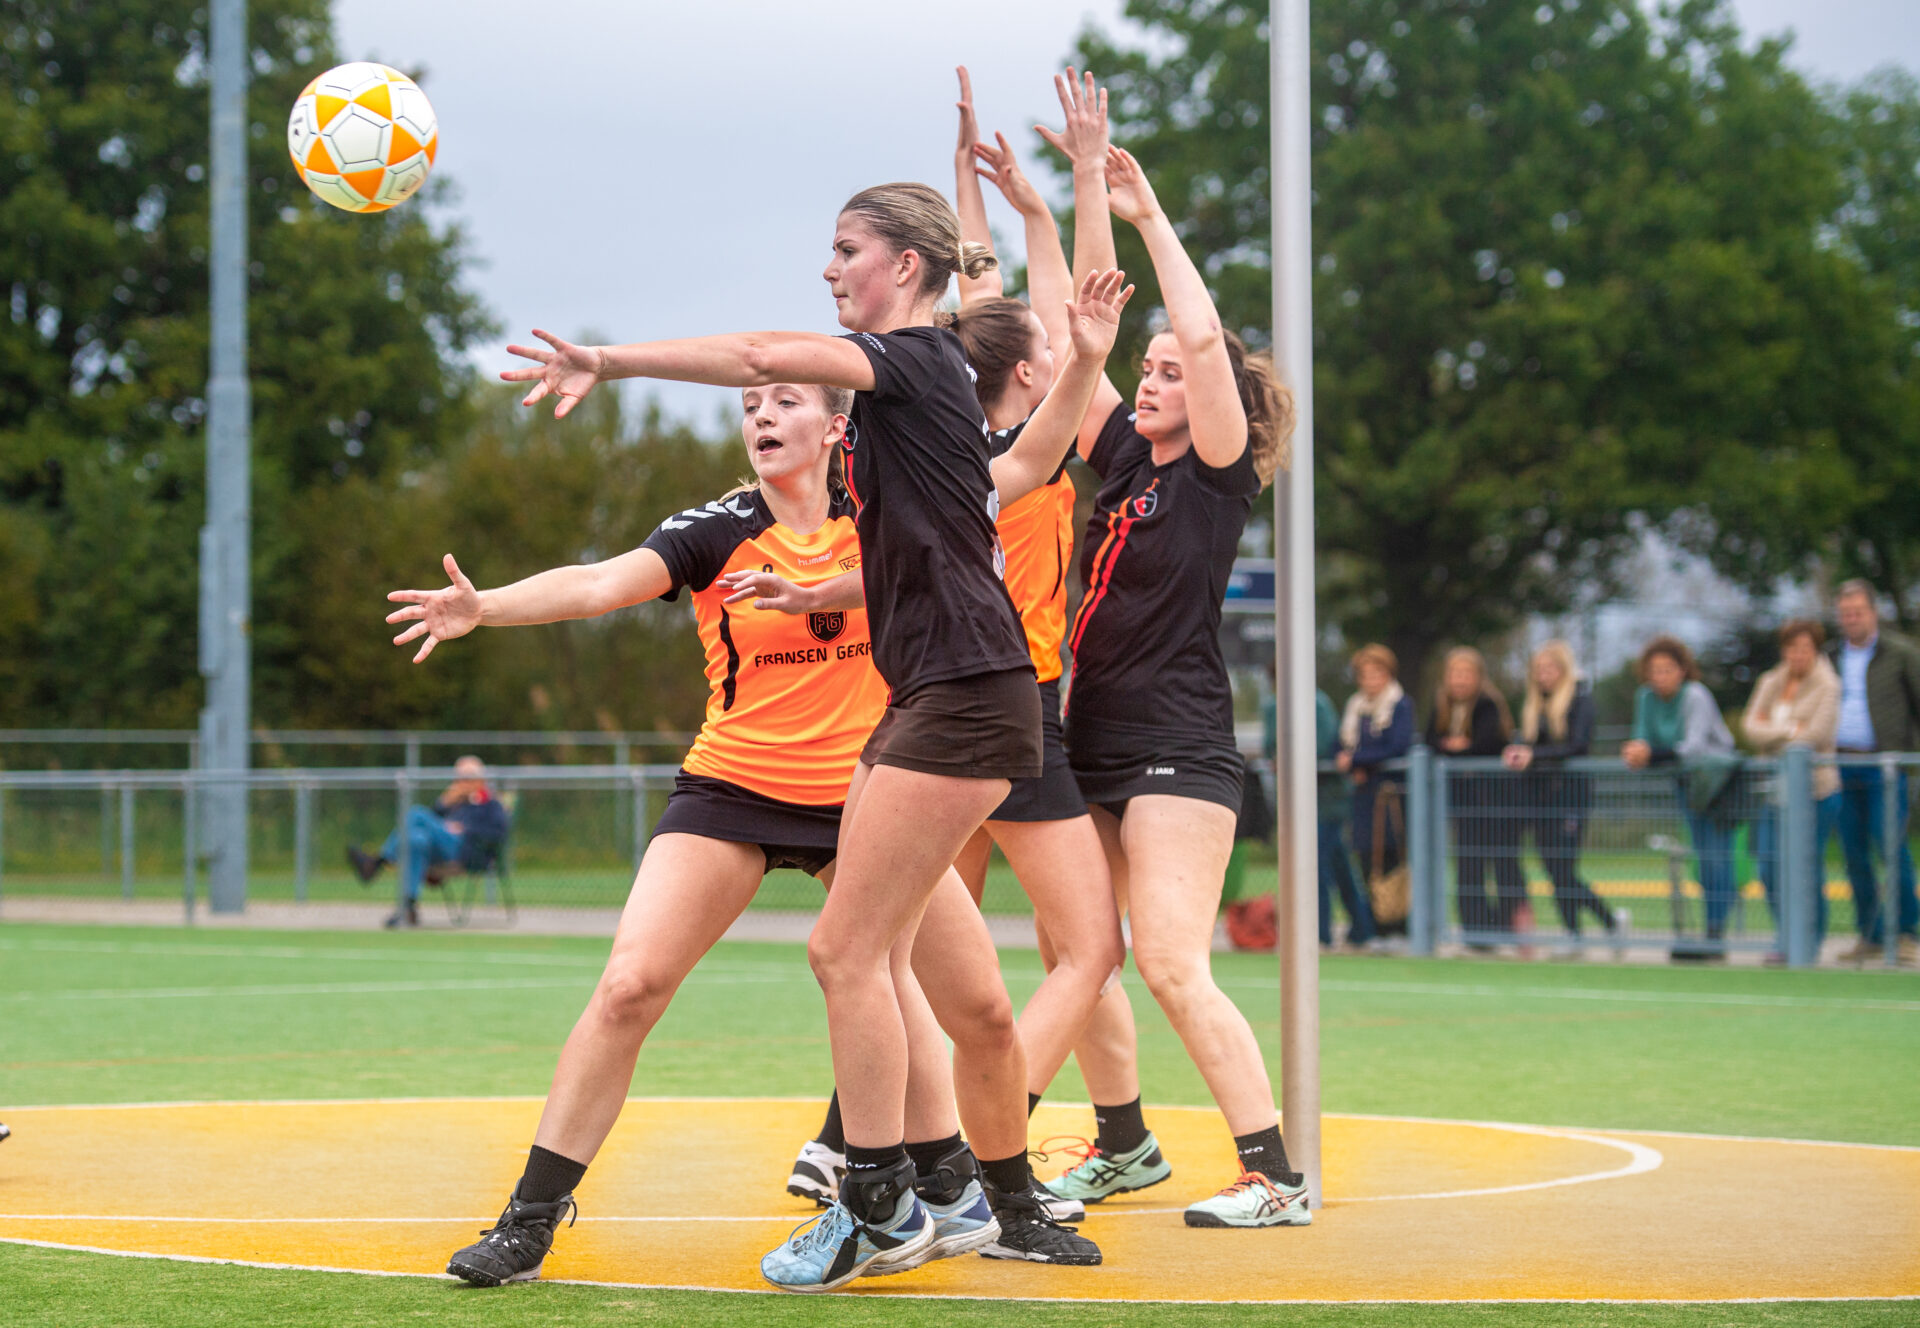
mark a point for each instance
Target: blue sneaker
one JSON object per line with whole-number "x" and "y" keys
{"x": 962, "y": 1218}
{"x": 836, "y": 1247}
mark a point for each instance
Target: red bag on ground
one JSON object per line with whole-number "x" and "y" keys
{"x": 1252, "y": 924}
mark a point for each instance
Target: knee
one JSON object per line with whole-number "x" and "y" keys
{"x": 631, "y": 1000}
{"x": 1176, "y": 981}
{"x": 982, "y": 1024}
{"x": 1092, "y": 957}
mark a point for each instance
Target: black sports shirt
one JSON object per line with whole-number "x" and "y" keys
{"x": 917, "y": 465}
{"x": 1154, "y": 565}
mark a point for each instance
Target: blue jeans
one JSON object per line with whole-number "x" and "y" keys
{"x": 1862, "y": 821}
{"x": 1766, "y": 854}
{"x": 429, "y": 843}
{"x": 1336, "y": 873}
{"x": 1713, "y": 859}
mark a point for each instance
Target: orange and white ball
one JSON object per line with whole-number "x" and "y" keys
{"x": 363, "y": 137}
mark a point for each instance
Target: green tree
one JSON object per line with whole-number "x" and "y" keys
{"x": 357, "y": 328}
{"x": 1570, "y": 276}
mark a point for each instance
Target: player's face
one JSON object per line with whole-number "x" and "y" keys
{"x": 1160, "y": 402}
{"x": 863, "y": 275}
{"x": 1040, "y": 360}
{"x": 787, "y": 430}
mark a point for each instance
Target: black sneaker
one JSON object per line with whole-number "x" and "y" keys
{"x": 1027, "y": 1232}
{"x": 513, "y": 1249}
{"x": 364, "y": 864}
{"x": 1059, "y": 1207}
{"x": 407, "y": 917}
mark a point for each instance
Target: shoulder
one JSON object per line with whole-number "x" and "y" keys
{"x": 1118, "y": 442}
{"x": 696, "y": 543}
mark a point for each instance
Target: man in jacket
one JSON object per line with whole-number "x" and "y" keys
{"x": 466, "y": 826}
{"x": 1879, "y": 712}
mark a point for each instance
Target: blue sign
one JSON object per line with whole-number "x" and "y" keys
{"x": 1251, "y": 587}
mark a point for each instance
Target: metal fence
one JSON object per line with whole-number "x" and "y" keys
{"x": 59, "y": 749}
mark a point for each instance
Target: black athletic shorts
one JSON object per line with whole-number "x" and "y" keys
{"x": 791, "y": 834}
{"x": 1054, "y": 796}
{"x": 1114, "y": 762}
{"x": 984, "y": 726}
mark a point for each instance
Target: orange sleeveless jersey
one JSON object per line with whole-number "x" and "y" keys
{"x": 1037, "y": 534}
{"x": 794, "y": 696}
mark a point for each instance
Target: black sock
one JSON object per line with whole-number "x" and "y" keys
{"x": 1120, "y": 1129}
{"x": 1263, "y": 1152}
{"x": 926, "y": 1156}
{"x": 872, "y": 1160}
{"x": 549, "y": 1177}
{"x": 830, "y": 1132}
{"x": 1009, "y": 1175}
{"x": 1033, "y": 1100}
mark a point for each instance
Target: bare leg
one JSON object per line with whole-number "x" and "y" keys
{"x": 1177, "y": 850}
{"x": 931, "y": 1113}
{"x": 688, "y": 891}
{"x": 898, "y": 838}
{"x": 1108, "y": 1050}
{"x": 972, "y": 863}
{"x": 1063, "y": 869}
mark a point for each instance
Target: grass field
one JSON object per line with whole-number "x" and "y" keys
{"x": 104, "y": 1015}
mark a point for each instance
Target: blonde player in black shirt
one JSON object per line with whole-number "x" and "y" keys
{"x": 1150, "y": 710}
{"x": 964, "y": 716}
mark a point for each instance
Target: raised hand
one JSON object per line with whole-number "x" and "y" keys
{"x": 1094, "y": 319}
{"x": 774, "y": 592}
{"x": 1128, "y": 193}
{"x": 439, "y": 615}
{"x": 1003, "y": 171}
{"x": 1084, "y": 140}
{"x": 567, "y": 371}
{"x": 969, "y": 125}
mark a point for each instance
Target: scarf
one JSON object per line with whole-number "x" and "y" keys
{"x": 1379, "y": 711}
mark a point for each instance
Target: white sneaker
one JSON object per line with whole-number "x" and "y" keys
{"x": 817, "y": 1173}
{"x": 1253, "y": 1201}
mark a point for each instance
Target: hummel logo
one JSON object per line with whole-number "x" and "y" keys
{"x": 1161, "y": 770}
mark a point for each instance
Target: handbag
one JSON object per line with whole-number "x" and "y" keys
{"x": 1390, "y": 892}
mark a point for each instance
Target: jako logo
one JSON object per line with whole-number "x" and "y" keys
{"x": 826, "y": 626}
{"x": 1161, "y": 770}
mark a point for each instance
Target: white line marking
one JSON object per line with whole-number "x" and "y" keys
{"x": 698, "y": 976}
{"x": 1602, "y": 994}
{"x": 918, "y": 1295}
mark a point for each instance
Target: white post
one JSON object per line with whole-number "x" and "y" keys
{"x": 1295, "y": 764}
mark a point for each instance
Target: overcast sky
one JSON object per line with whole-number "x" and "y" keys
{"x": 652, "y": 170}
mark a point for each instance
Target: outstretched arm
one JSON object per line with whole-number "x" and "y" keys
{"x": 586, "y": 590}
{"x": 1217, "y": 419}
{"x": 769, "y": 590}
{"x": 968, "y": 202}
{"x": 1049, "y": 281}
{"x": 1093, "y": 321}
{"x": 738, "y": 359}
{"x": 1086, "y": 143}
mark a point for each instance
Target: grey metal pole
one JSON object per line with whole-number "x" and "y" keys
{"x": 1797, "y": 870}
{"x": 1294, "y": 768}
{"x": 190, "y": 843}
{"x": 403, "y": 801}
{"x": 3, "y": 841}
{"x": 227, "y": 536}
{"x": 1893, "y": 833}
{"x": 126, "y": 841}
{"x": 639, "y": 818}
{"x": 1421, "y": 914}
{"x": 302, "y": 840}
{"x": 106, "y": 829}
{"x": 1437, "y": 803}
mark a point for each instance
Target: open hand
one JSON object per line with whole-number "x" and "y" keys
{"x": 1094, "y": 319}
{"x": 438, "y": 615}
{"x": 774, "y": 592}
{"x": 1128, "y": 193}
{"x": 1518, "y": 756}
{"x": 567, "y": 371}
{"x": 1084, "y": 140}
{"x": 1002, "y": 170}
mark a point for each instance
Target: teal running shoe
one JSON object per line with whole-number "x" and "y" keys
{"x": 836, "y": 1247}
{"x": 1101, "y": 1177}
{"x": 1255, "y": 1200}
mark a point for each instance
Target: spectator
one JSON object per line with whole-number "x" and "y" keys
{"x": 1336, "y": 860}
{"x": 1879, "y": 712}
{"x": 1797, "y": 701}
{"x": 1556, "y": 726}
{"x": 1377, "y": 727}
{"x": 1675, "y": 721}
{"x": 1470, "y": 718}
{"x": 466, "y": 826}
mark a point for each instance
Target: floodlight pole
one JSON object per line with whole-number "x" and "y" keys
{"x": 226, "y": 538}
{"x": 1295, "y": 764}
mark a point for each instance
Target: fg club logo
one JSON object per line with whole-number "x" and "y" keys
{"x": 825, "y": 627}
{"x": 1143, "y": 505}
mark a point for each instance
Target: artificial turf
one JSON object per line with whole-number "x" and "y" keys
{"x": 125, "y": 1015}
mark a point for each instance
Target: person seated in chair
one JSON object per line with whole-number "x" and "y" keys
{"x": 465, "y": 827}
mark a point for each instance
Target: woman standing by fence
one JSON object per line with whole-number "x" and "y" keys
{"x": 1471, "y": 719}
{"x": 1376, "y": 728}
{"x": 1798, "y": 700}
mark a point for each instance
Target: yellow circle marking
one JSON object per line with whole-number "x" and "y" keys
{"x": 690, "y": 1193}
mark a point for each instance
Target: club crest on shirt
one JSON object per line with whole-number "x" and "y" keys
{"x": 1143, "y": 505}
{"x": 824, "y": 627}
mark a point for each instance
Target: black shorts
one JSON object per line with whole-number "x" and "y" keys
{"x": 1115, "y": 762}
{"x": 791, "y": 834}
{"x": 1055, "y": 796}
{"x": 986, "y": 726}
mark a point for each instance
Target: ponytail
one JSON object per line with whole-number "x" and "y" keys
{"x": 1269, "y": 406}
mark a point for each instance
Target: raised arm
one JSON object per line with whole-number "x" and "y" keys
{"x": 967, "y": 199}
{"x": 585, "y": 590}
{"x": 737, "y": 359}
{"x": 1049, "y": 281}
{"x": 1086, "y": 143}
{"x": 1093, "y": 322}
{"x": 1215, "y": 416}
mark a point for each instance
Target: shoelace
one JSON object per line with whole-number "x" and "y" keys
{"x": 819, "y": 1231}
{"x": 512, "y": 1233}
{"x": 1251, "y": 1179}
{"x": 1076, "y": 1146}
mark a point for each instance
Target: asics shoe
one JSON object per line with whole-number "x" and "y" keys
{"x": 817, "y": 1172}
{"x": 1101, "y": 1177}
{"x": 836, "y": 1247}
{"x": 513, "y": 1249}
{"x": 1026, "y": 1232}
{"x": 1253, "y": 1201}
{"x": 1059, "y": 1207}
